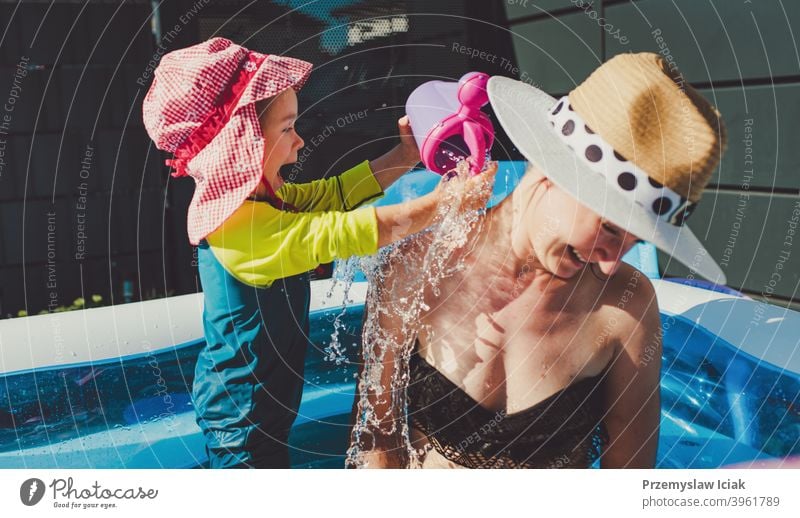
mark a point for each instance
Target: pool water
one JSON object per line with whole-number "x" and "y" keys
{"x": 719, "y": 406}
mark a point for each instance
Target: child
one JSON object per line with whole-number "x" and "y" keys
{"x": 227, "y": 114}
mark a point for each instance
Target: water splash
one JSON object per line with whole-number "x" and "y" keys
{"x": 381, "y": 417}
{"x": 343, "y": 274}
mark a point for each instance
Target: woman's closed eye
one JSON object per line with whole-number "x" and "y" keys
{"x": 611, "y": 230}
{"x": 616, "y": 232}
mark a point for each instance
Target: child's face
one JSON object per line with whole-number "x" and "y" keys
{"x": 281, "y": 142}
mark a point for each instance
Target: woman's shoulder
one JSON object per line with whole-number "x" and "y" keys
{"x": 631, "y": 296}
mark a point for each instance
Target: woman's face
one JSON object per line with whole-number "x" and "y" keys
{"x": 281, "y": 142}
{"x": 566, "y": 236}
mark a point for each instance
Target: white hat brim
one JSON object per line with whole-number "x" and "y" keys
{"x": 522, "y": 111}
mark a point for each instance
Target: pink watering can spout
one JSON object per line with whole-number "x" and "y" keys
{"x": 448, "y": 123}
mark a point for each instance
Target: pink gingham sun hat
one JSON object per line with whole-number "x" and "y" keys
{"x": 201, "y": 107}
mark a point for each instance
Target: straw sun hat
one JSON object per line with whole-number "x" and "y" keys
{"x": 633, "y": 142}
{"x": 201, "y": 107}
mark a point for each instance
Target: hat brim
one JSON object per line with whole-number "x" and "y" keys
{"x": 275, "y": 75}
{"x": 522, "y": 111}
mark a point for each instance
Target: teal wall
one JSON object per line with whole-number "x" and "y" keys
{"x": 743, "y": 56}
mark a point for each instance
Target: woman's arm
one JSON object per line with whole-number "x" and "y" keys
{"x": 632, "y": 387}
{"x": 390, "y": 337}
{"x": 382, "y": 444}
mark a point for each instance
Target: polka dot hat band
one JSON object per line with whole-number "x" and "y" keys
{"x": 623, "y": 174}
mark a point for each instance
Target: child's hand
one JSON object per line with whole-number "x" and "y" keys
{"x": 454, "y": 197}
{"x": 408, "y": 145}
{"x": 390, "y": 166}
{"x": 470, "y": 192}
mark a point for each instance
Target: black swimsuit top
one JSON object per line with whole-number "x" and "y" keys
{"x": 563, "y": 431}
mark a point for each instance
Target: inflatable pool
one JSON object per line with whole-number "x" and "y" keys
{"x": 109, "y": 387}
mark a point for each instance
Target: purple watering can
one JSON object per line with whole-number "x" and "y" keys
{"x": 448, "y": 123}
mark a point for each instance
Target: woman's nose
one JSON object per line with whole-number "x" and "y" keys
{"x": 609, "y": 268}
{"x": 606, "y": 252}
{"x": 609, "y": 257}
{"x": 300, "y": 142}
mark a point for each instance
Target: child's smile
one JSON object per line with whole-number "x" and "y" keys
{"x": 277, "y": 116}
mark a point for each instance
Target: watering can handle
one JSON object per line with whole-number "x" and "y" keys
{"x": 476, "y": 143}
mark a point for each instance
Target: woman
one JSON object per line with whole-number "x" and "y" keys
{"x": 544, "y": 349}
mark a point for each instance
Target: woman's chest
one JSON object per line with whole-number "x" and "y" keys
{"x": 511, "y": 354}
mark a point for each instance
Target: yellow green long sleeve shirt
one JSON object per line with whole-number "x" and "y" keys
{"x": 258, "y": 243}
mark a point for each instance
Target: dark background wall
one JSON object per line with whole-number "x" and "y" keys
{"x": 742, "y": 56}
{"x": 87, "y": 206}
{"x": 79, "y": 97}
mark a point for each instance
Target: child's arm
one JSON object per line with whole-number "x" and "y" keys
{"x": 361, "y": 184}
{"x": 258, "y": 243}
{"x": 345, "y": 192}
